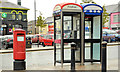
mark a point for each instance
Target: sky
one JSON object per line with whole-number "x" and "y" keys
{"x": 46, "y": 6}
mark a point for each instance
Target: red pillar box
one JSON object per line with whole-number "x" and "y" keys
{"x": 19, "y": 49}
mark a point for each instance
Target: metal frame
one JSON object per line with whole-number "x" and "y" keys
{"x": 65, "y": 40}
{"x": 82, "y": 39}
{"x": 93, "y": 40}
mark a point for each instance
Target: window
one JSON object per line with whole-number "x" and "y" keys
{"x": 24, "y": 18}
{"x": 20, "y": 16}
{"x": 18, "y": 26}
{"x": 116, "y": 18}
{"x": 49, "y": 37}
{"x": 13, "y": 16}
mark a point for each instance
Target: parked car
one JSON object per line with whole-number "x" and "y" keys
{"x": 34, "y": 39}
{"x": 8, "y": 42}
{"x": 107, "y": 36}
{"x": 117, "y": 36}
{"x": 48, "y": 40}
{"x": 37, "y": 38}
{"x": 2, "y": 40}
{"x": 118, "y": 32}
{"x": 41, "y": 36}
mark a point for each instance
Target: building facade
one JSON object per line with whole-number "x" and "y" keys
{"x": 12, "y": 17}
{"x": 114, "y": 14}
{"x": 50, "y": 25}
{"x": 31, "y": 28}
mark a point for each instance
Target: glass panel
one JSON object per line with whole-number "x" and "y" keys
{"x": 96, "y": 51}
{"x": 58, "y": 52}
{"x": 69, "y": 33}
{"x": 67, "y": 54}
{"x": 58, "y": 40}
{"x": 77, "y": 53}
{"x": 78, "y": 29}
{"x": 13, "y": 16}
{"x": 96, "y": 27}
{"x": 76, "y": 26}
{"x": 116, "y": 18}
{"x": 24, "y": 18}
{"x": 87, "y": 50}
{"x": 67, "y": 26}
{"x": 87, "y": 29}
{"x": 19, "y": 16}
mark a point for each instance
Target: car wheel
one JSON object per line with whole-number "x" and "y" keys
{"x": 109, "y": 40}
{"x": 38, "y": 42}
{"x": 43, "y": 44}
{"x": 5, "y": 46}
{"x": 52, "y": 43}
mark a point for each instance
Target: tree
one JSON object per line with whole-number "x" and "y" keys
{"x": 40, "y": 22}
{"x": 105, "y": 14}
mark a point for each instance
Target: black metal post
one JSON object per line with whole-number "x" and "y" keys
{"x": 73, "y": 46}
{"x": 104, "y": 57}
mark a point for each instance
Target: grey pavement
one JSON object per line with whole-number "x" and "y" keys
{"x": 43, "y": 60}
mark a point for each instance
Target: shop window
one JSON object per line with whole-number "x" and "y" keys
{"x": 24, "y": 18}
{"x": 18, "y": 26}
{"x": 19, "y": 16}
{"x": 13, "y": 16}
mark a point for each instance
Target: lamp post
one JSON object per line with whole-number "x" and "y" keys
{"x": 39, "y": 15}
{"x": 35, "y": 14}
{"x": 75, "y": 1}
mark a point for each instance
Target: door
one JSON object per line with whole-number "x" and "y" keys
{"x": 93, "y": 36}
{"x": 71, "y": 32}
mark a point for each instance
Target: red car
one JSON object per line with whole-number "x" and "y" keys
{"x": 34, "y": 39}
{"x": 37, "y": 38}
{"x": 48, "y": 40}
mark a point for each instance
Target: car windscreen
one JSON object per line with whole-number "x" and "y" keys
{"x": 42, "y": 35}
{"x": 57, "y": 36}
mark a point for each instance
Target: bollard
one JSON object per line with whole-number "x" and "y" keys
{"x": 104, "y": 56}
{"x": 73, "y": 46}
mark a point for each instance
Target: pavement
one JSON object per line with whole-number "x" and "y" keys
{"x": 42, "y": 59}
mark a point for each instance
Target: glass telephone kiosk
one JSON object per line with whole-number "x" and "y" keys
{"x": 69, "y": 20}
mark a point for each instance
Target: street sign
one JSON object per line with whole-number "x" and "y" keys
{"x": 4, "y": 15}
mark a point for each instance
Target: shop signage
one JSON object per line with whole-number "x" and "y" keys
{"x": 4, "y": 15}
{"x": 71, "y": 7}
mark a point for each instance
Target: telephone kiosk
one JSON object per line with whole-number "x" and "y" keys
{"x": 70, "y": 21}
